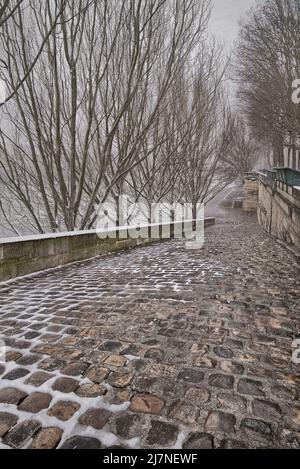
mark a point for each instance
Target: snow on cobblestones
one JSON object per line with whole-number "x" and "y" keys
{"x": 158, "y": 347}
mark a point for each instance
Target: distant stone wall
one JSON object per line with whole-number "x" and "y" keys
{"x": 25, "y": 255}
{"x": 279, "y": 210}
{"x": 250, "y": 202}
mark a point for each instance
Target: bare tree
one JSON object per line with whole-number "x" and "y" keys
{"x": 267, "y": 63}
{"x": 157, "y": 178}
{"x": 46, "y": 112}
{"x": 161, "y": 53}
{"x": 80, "y": 120}
{"x": 244, "y": 152}
{"x": 195, "y": 133}
{"x": 9, "y": 11}
{"x": 209, "y": 136}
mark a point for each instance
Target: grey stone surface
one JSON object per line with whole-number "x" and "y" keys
{"x": 21, "y": 433}
{"x": 7, "y": 420}
{"x": 198, "y": 342}
{"x": 17, "y": 373}
{"x": 162, "y": 434}
{"x": 199, "y": 441}
{"x": 221, "y": 381}
{"x": 11, "y": 395}
{"x": 250, "y": 386}
{"x": 81, "y": 442}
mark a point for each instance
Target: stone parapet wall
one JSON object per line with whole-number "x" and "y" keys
{"x": 29, "y": 254}
{"x": 250, "y": 194}
{"x": 279, "y": 210}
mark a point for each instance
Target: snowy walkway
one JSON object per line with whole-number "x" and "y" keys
{"x": 156, "y": 347}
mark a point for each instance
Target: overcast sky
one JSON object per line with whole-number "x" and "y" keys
{"x": 225, "y": 18}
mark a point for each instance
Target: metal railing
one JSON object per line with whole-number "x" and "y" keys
{"x": 288, "y": 176}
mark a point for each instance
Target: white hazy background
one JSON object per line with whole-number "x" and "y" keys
{"x": 225, "y": 19}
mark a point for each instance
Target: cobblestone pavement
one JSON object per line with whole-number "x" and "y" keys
{"x": 159, "y": 347}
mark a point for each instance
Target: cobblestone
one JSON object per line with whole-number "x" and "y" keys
{"x": 185, "y": 413}
{"x": 74, "y": 369}
{"x": 162, "y": 434}
{"x": 11, "y": 395}
{"x": 221, "y": 381}
{"x": 97, "y": 373}
{"x": 47, "y": 438}
{"x": 21, "y": 434}
{"x": 63, "y": 410}
{"x": 65, "y": 385}
{"x": 95, "y": 418}
{"x": 199, "y": 441}
{"x": 159, "y": 346}
{"x": 91, "y": 390}
{"x": 251, "y": 387}
{"x": 38, "y": 378}
{"x": 17, "y": 373}
{"x": 220, "y": 422}
{"x": 36, "y": 402}
{"x": 7, "y": 421}
{"x": 120, "y": 379}
{"x": 146, "y": 403}
{"x": 257, "y": 428}
{"x": 128, "y": 425}
{"x": 81, "y": 442}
